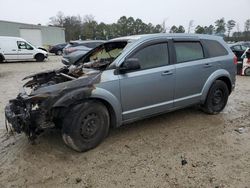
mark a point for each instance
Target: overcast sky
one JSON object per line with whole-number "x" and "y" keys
{"x": 175, "y": 12}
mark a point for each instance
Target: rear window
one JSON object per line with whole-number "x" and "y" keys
{"x": 188, "y": 51}
{"x": 214, "y": 48}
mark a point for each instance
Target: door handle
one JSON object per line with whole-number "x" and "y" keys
{"x": 13, "y": 50}
{"x": 207, "y": 65}
{"x": 165, "y": 73}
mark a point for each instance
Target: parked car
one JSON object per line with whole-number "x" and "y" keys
{"x": 57, "y": 49}
{"x": 15, "y": 48}
{"x": 124, "y": 80}
{"x": 238, "y": 50}
{"x": 246, "y": 43}
{"x": 246, "y": 63}
{"x": 76, "y": 49}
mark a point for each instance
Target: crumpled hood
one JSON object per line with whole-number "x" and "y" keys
{"x": 86, "y": 81}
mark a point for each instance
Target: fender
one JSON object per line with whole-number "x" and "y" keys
{"x": 217, "y": 74}
{"x": 92, "y": 93}
{"x": 112, "y": 100}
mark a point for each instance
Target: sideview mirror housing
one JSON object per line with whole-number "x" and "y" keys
{"x": 129, "y": 65}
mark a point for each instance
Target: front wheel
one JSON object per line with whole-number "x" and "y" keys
{"x": 217, "y": 98}
{"x": 39, "y": 57}
{"x": 247, "y": 71}
{"x": 85, "y": 126}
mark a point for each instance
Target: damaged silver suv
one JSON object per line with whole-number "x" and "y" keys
{"x": 124, "y": 80}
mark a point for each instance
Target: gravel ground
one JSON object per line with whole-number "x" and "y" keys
{"x": 186, "y": 148}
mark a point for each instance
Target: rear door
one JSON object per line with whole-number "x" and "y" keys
{"x": 148, "y": 90}
{"x": 9, "y": 49}
{"x": 192, "y": 71}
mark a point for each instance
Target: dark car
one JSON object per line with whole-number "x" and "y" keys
{"x": 57, "y": 49}
{"x": 76, "y": 49}
{"x": 238, "y": 49}
{"x": 247, "y": 43}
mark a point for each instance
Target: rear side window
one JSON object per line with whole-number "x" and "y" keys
{"x": 188, "y": 51}
{"x": 214, "y": 48}
{"x": 92, "y": 44}
{"x": 153, "y": 56}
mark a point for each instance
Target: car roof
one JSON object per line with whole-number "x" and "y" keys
{"x": 167, "y": 35}
{"x": 9, "y": 37}
{"x": 86, "y": 41}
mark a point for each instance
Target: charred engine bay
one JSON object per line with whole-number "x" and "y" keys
{"x": 67, "y": 73}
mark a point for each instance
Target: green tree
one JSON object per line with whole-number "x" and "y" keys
{"x": 200, "y": 30}
{"x": 181, "y": 29}
{"x": 173, "y": 29}
{"x": 209, "y": 30}
{"x": 230, "y": 25}
{"x": 220, "y": 27}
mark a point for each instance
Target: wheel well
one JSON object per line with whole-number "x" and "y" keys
{"x": 59, "y": 112}
{"x": 38, "y": 54}
{"x": 1, "y": 56}
{"x": 227, "y": 81}
{"x": 111, "y": 111}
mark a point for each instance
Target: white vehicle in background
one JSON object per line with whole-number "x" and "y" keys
{"x": 15, "y": 48}
{"x": 246, "y": 63}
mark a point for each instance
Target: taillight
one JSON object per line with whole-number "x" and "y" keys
{"x": 235, "y": 60}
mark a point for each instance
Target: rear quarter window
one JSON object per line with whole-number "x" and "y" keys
{"x": 215, "y": 49}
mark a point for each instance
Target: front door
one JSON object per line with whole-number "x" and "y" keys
{"x": 25, "y": 51}
{"x": 150, "y": 89}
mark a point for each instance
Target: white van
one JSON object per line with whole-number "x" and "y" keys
{"x": 15, "y": 48}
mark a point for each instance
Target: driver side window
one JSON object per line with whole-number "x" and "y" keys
{"x": 153, "y": 56}
{"x": 23, "y": 45}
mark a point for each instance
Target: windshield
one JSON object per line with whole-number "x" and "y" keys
{"x": 104, "y": 55}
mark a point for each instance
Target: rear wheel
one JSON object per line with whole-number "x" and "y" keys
{"x": 86, "y": 126}
{"x": 39, "y": 57}
{"x": 1, "y": 59}
{"x": 247, "y": 71}
{"x": 217, "y": 98}
{"x": 59, "y": 52}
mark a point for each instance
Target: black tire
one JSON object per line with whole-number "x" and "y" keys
{"x": 1, "y": 59}
{"x": 85, "y": 126}
{"x": 247, "y": 71}
{"x": 59, "y": 52}
{"x": 217, "y": 98}
{"x": 39, "y": 57}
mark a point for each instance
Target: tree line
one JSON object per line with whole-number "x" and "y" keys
{"x": 77, "y": 27}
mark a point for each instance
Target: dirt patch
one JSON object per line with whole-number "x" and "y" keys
{"x": 186, "y": 148}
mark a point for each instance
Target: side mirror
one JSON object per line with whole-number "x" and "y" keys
{"x": 129, "y": 65}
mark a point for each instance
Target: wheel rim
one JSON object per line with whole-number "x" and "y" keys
{"x": 90, "y": 125}
{"x": 217, "y": 97}
{"x": 59, "y": 52}
{"x": 247, "y": 72}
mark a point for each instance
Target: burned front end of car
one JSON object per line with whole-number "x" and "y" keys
{"x": 45, "y": 97}
{"x": 24, "y": 114}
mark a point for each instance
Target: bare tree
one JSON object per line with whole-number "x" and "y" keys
{"x": 247, "y": 25}
{"x": 190, "y": 25}
{"x": 57, "y": 20}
